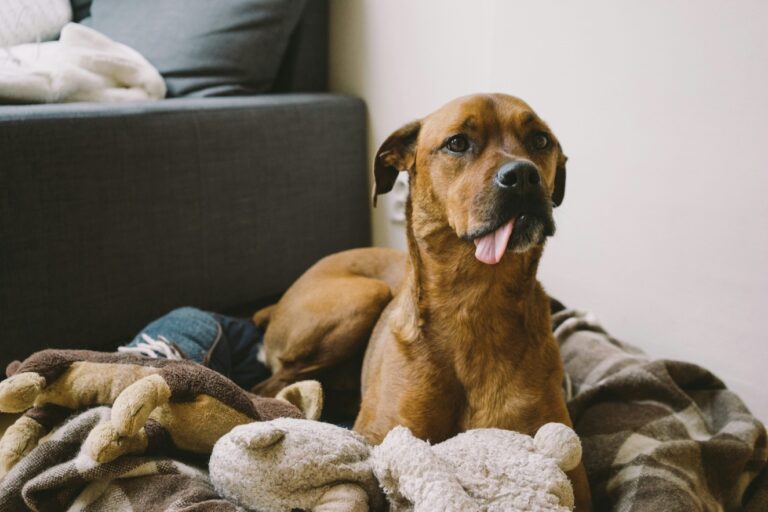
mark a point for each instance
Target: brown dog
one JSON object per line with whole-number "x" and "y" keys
{"x": 464, "y": 340}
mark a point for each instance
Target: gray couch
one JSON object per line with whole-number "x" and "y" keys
{"x": 112, "y": 215}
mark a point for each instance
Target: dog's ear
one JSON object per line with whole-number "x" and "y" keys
{"x": 397, "y": 153}
{"x": 559, "y": 191}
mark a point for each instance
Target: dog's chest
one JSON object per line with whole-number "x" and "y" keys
{"x": 504, "y": 386}
{"x": 501, "y": 355}
{"x": 498, "y": 401}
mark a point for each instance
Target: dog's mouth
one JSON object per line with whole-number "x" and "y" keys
{"x": 492, "y": 246}
{"x": 518, "y": 234}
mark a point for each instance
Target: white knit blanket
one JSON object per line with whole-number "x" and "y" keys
{"x": 83, "y": 65}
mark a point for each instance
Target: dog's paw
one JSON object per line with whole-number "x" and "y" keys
{"x": 105, "y": 444}
{"x": 18, "y": 393}
{"x": 19, "y": 439}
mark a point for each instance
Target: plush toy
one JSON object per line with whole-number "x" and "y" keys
{"x": 289, "y": 464}
{"x": 157, "y": 404}
{"x": 488, "y": 470}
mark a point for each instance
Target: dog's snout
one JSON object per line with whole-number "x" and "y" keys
{"x": 519, "y": 176}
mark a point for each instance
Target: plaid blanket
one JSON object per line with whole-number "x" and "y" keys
{"x": 54, "y": 477}
{"x": 658, "y": 435}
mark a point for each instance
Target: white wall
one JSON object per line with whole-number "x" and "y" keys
{"x": 662, "y": 107}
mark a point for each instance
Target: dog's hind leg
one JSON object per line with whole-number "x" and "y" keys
{"x": 321, "y": 327}
{"x": 262, "y": 316}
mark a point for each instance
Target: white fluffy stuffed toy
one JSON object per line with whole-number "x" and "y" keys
{"x": 286, "y": 464}
{"x": 488, "y": 470}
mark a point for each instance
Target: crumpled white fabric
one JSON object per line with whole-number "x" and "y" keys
{"x": 83, "y": 65}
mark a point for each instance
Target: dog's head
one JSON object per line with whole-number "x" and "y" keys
{"x": 486, "y": 166}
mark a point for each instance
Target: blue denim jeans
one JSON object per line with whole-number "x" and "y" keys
{"x": 226, "y": 344}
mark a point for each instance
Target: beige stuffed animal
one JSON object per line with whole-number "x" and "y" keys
{"x": 288, "y": 464}
{"x": 157, "y": 404}
{"x": 488, "y": 470}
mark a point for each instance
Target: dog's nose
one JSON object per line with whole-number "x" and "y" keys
{"x": 519, "y": 176}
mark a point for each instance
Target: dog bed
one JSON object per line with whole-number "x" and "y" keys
{"x": 657, "y": 434}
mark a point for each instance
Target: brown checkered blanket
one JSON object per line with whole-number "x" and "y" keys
{"x": 660, "y": 436}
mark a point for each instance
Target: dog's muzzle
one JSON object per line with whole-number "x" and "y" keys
{"x": 522, "y": 216}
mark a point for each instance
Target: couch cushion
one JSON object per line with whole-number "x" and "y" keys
{"x": 204, "y": 47}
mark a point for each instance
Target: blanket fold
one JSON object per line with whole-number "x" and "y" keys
{"x": 83, "y": 65}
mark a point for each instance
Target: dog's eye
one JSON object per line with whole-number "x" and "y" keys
{"x": 540, "y": 141}
{"x": 457, "y": 144}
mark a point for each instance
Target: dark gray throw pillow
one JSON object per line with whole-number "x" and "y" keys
{"x": 204, "y": 47}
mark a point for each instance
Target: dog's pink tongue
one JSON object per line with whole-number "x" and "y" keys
{"x": 491, "y": 247}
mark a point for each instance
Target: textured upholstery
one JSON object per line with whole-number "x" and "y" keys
{"x": 111, "y": 216}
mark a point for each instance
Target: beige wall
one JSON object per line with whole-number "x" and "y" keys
{"x": 663, "y": 110}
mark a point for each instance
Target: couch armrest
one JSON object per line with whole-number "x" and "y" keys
{"x": 112, "y": 215}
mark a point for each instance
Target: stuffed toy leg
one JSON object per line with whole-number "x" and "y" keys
{"x": 23, "y": 435}
{"x": 158, "y": 404}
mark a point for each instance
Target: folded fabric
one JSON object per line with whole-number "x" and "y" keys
{"x": 83, "y": 65}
